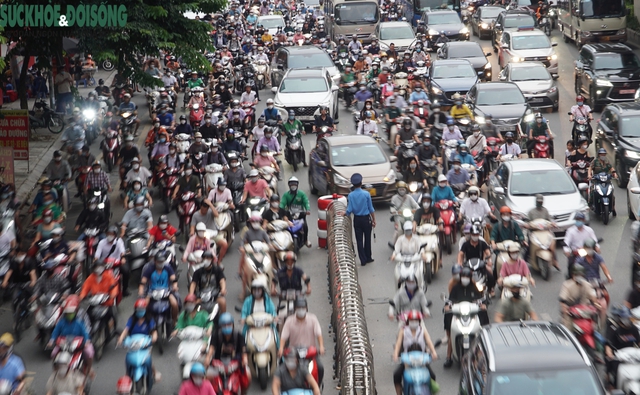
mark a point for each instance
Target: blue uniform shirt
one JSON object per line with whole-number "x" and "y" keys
{"x": 13, "y": 369}
{"x": 70, "y": 328}
{"x": 359, "y": 202}
{"x": 136, "y": 328}
{"x": 157, "y": 280}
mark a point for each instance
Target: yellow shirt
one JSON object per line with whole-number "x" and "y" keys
{"x": 462, "y": 112}
{"x": 267, "y": 37}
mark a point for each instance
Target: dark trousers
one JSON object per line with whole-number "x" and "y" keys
{"x": 126, "y": 275}
{"x": 362, "y": 226}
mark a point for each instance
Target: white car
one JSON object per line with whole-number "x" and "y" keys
{"x": 528, "y": 45}
{"x": 271, "y": 23}
{"x": 399, "y": 33}
{"x": 304, "y": 91}
{"x": 633, "y": 193}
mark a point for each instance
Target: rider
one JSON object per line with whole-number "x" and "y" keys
{"x": 347, "y": 80}
{"x": 399, "y": 202}
{"x": 509, "y": 148}
{"x": 515, "y": 308}
{"x": 72, "y": 325}
{"x": 507, "y": 229}
{"x": 160, "y": 275}
{"x": 414, "y": 174}
{"x": 196, "y": 385}
{"x": 579, "y": 110}
{"x": 11, "y": 366}
{"x": 271, "y": 113}
{"x": 515, "y": 265}
{"x": 576, "y": 236}
{"x": 443, "y": 191}
{"x": 406, "y": 244}
{"x": 475, "y": 206}
{"x": 260, "y": 297}
{"x": 576, "y": 290}
{"x": 539, "y": 128}
{"x": 409, "y": 297}
{"x": 291, "y": 125}
{"x": 292, "y": 375}
{"x": 101, "y": 281}
{"x": 366, "y": 127}
{"x": 625, "y": 335}
{"x": 296, "y": 201}
{"x": 459, "y": 109}
{"x": 323, "y": 120}
{"x": 141, "y": 323}
{"x": 193, "y": 317}
{"x": 256, "y": 187}
{"x": 602, "y": 165}
{"x": 91, "y": 218}
{"x": 290, "y": 276}
{"x": 451, "y": 132}
{"x": 207, "y": 276}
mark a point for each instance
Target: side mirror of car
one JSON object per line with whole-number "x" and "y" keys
{"x": 393, "y": 158}
{"x": 481, "y": 74}
{"x": 498, "y": 25}
{"x": 498, "y": 190}
{"x": 334, "y": 88}
{"x": 274, "y": 89}
{"x": 504, "y": 46}
{"x": 487, "y": 54}
{"x": 280, "y": 66}
{"x": 554, "y": 44}
{"x": 583, "y": 186}
{"x": 465, "y": 20}
{"x": 322, "y": 163}
{"x": 635, "y": 190}
{"x": 502, "y": 77}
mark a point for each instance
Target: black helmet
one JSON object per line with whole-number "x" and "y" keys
{"x": 300, "y": 303}
{"x": 466, "y": 272}
{"x": 406, "y": 122}
{"x": 274, "y": 198}
{"x": 162, "y": 256}
{"x": 163, "y": 219}
{"x": 182, "y": 117}
{"x": 100, "y": 81}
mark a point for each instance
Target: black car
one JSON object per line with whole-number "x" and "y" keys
{"x": 606, "y": 73}
{"x": 447, "y": 21}
{"x": 448, "y": 77}
{"x": 510, "y": 20}
{"x": 470, "y": 51}
{"x": 483, "y": 19}
{"x": 513, "y": 357}
{"x": 300, "y": 57}
{"x": 618, "y": 133}
{"x": 504, "y": 101}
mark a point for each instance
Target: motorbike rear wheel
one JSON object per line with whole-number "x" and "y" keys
{"x": 428, "y": 273}
{"x": 448, "y": 241}
{"x": 55, "y": 124}
{"x": 141, "y": 386}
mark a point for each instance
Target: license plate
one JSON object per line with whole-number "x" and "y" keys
{"x": 305, "y": 117}
{"x": 372, "y": 192}
{"x": 605, "y": 38}
{"x": 627, "y": 91}
{"x": 465, "y": 343}
{"x": 536, "y": 100}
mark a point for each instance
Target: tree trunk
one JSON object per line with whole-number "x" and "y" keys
{"x": 22, "y": 84}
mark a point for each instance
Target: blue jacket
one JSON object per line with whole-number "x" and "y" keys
{"x": 269, "y": 308}
{"x": 73, "y": 328}
{"x": 445, "y": 193}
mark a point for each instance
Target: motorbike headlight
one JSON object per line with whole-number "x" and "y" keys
{"x": 390, "y": 177}
{"x": 603, "y": 82}
{"x": 341, "y": 181}
{"x": 480, "y": 119}
{"x": 433, "y": 32}
{"x": 464, "y": 30}
{"x": 89, "y": 114}
{"x": 435, "y": 90}
{"x": 632, "y": 154}
{"x": 487, "y": 66}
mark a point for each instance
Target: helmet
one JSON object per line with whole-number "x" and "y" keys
{"x": 258, "y": 283}
{"x": 183, "y": 118}
{"x": 442, "y": 177}
{"x": 197, "y": 369}
{"x": 225, "y": 319}
{"x": 457, "y": 159}
{"x": 253, "y": 173}
{"x": 426, "y": 196}
{"x": 407, "y": 226}
{"x": 124, "y": 385}
{"x": 367, "y": 114}
{"x": 456, "y": 96}
{"x": 579, "y": 98}
{"x": 450, "y": 121}
{"x": 463, "y": 146}
{"x": 509, "y": 134}
{"x": 113, "y": 229}
{"x": 191, "y": 298}
{"x": 264, "y": 148}
{"x": 473, "y": 189}
{"x": 456, "y": 269}
{"x": 293, "y": 180}
{"x": 269, "y": 101}
{"x": 162, "y": 256}
{"x": 163, "y": 219}
{"x": 505, "y": 210}
{"x": 621, "y": 312}
{"x": 577, "y": 269}
{"x": 401, "y": 184}
{"x": 290, "y": 256}
{"x": 201, "y": 226}
{"x": 300, "y": 302}
{"x": 583, "y": 139}
{"x": 589, "y": 243}
{"x": 140, "y": 304}
{"x": 513, "y": 247}
{"x": 602, "y": 151}
{"x": 292, "y": 113}
{"x": 274, "y": 198}
{"x": 537, "y": 115}
{"x": 414, "y": 315}
{"x": 467, "y": 229}
{"x": 71, "y": 304}
{"x": 475, "y": 127}
{"x": 406, "y": 122}
{"x": 466, "y": 272}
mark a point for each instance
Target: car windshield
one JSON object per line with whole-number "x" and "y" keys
{"x": 499, "y": 97}
{"x": 546, "y": 182}
{"x": 518, "y": 21}
{"x": 356, "y": 13}
{"x": 453, "y": 71}
{"x": 490, "y": 12}
{"x": 629, "y": 126}
{"x": 270, "y": 23}
{"x": 357, "y": 155}
{"x": 303, "y": 85}
{"x": 304, "y": 60}
{"x": 602, "y": 8}
{"x": 555, "y": 382}
{"x": 534, "y": 41}
{"x": 534, "y": 73}
{"x": 444, "y": 19}
{"x": 615, "y": 61}
{"x": 465, "y": 51}
{"x": 424, "y": 5}
{"x": 397, "y": 33}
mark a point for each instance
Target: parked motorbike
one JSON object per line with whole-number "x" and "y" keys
{"x": 602, "y": 196}
{"x": 540, "y": 239}
{"x": 138, "y": 362}
{"x": 261, "y": 347}
{"x": 42, "y": 116}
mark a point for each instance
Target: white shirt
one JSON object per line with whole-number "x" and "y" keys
{"x": 367, "y": 128}
{"x": 104, "y": 247}
{"x": 476, "y": 143}
{"x": 168, "y": 80}
{"x": 406, "y": 246}
{"x": 478, "y": 209}
{"x": 248, "y": 97}
{"x": 580, "y": 111}
{"x": 513, "y": 149}
{"x": 261, "y": 56}
{"x": 5, "y": 240}
{"x": 258, "y": 133}
{"x": 143, "y": 173}
{"x": 575, "y": 238}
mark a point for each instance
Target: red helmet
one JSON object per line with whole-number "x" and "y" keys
{"x": 579, "y": 98}
{"x": 71, "y": 304}
{"x": 414, "y": 315}
{"x": 140, "y": 304}
{"x": 124, "y": 385}
{"x": 505, "y": 210}
{"x": 191, "y": 298}
{"x": 47, "y": 213}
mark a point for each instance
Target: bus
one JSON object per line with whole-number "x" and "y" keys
{"x": 345, "y": 18}
{"x": 586, "y": 21}
{"x": 413, "y": 9}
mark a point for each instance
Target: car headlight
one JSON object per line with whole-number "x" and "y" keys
{"x": 487, "y": 66}
{"x": 553, "y": 57}
{"x": 341, "y": 181}
{"x": 436, "y": 91}
{"x": 384, "y": 46}
{"x": 464, "y": 30}
{"x": 517, "y": 59}
{"x": 529, "y": 117}
{"x": 480, "y": 119}
{"x": 603, "y": 82}
{"x": 433, "y": 32}
{"x": 552, "y": 90}
{"x": 390, "y": 177}
{"x": 621, "y": 32}
{"x": 632, "y": 154}
{"x": 484, "y": 25}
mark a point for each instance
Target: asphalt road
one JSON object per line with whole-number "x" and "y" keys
{"x": 376, "y": 279}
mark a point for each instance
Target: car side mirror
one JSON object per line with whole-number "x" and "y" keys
{"x": 280, "y": 66}
{"x": 487, "y": 54}
{"x": 393, "y": 158}
{"x": 503, "y": 77}
{"x": 322, "y": 163}
{"x": 635, "y": 190}
{"x": 583, "y": 186}
{"x": 274, "y": 89}
{"x": 498, "y": 190}
{"x": 504, "y": 46}
{"x": 481, "y": 74}
{"x": 465, "y": 20}
{"x": 334, "y": 88}
{"x": 498, "y": 25}
{"x": 554, "y": 44}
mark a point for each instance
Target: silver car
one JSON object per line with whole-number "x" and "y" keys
{"x": 304, "y": 91}
{"x": 515, "y": 184}
{"x": 535, "y": 82}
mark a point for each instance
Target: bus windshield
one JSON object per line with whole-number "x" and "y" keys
{"x": 427, "y": 5}
{"x": 356, "y": 13}
{"x": 602, "y": 8}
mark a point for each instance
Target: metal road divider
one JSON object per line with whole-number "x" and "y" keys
{"x": 353, "y": 357}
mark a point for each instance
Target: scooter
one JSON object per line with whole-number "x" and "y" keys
{"x": 407, "y": 150}
{"x": 579, "y": 173}
{"x": 99, "y": 316}
{"x": 297, "y": 229}
{"x": 43, "y": 116}
{"x": 448, "y": 215}
{"x": 415, "y": 191}
{"x": 183, "y": 142}
{"x": 256, "y": 205}
{"x": 309, "y": 355}
{"x": 602, "y": 196}
{"x": 166, "y": 245}
{"x": 493, "y": 150}
{"x": 261, "y": 73}
{"x": 48, "y": 312}
{"x": 399, "y": 218}
{"x": 225, "y": 376}
{"x": 430, "y": 171}
{"x": 90, "y": 244}
{"x": 268, "y": 174}
{"x": 416, "y": 378}
{"x": 465, "y": 326}
{"x": 161, "y": 310}
{"x": 479, "y": 158}
{"x": 90, "y": 121}
{"x": 258, "y": 260}
{"x": 581, "y": 129}
{"x": 63, "y": 194}
{"x": 223, "y": 222}
{"x": 191, "y": 348}
{"x": 540, "y": 239}
{"x": 239, "y": 215}
{"x": 212, "y": 173}
{"x": 401, "y": 80}
{"x": 430, "y": 250}
{"x": 407, "y": 265}
{"x": 168, "y": 178}
{"x": 512, "y": 280}
{"x": 185, "y": 208}
{"x": 293, "y": 149}
{"x": 628, "y": 377}
{"x": 584, "y": 327}
{"x": 138, "y": 362}
{"x": 261, "y": 347}
{"x": 126, "y": 122}
{"x": 110, "y": 148}
{"x": 137, "y": 252}
{"x": 281, "y": 240}
{"x": 74, "y": 345}
{"x": 450, "y": 146}
{"x": 196, "y": 115}
{"x": 541, "y": 148}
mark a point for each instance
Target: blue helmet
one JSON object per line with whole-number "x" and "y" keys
{"x": 198, "y": 369}
{"x": 225, "y": 319}
{"x": 450, "y": 121}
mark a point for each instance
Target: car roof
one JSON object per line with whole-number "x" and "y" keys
{"x": 627, "y": 107}
{"x": 530, "y": 346}
{"x": 307, "y": 72}
{"x": 440, "y": 62}
{"x": 607, "y": 47}
{"x": 463, "y": 44}
{"x": 394, "y": 24}
{"x": 524, "y": 65}
{"x": 303, "y": 49}
{"x": 336, "y": 141}
{"x": 490, "y": 6}
{"x": 534, "y": 32}
{"x": 447, "y": 11}
{"x": 496, "y": 85}
{"x": 516, "y": 12}
{"x": 533, "y": 165}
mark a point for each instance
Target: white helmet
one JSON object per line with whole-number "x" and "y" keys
{"x": 442, "y": 177}
{"x": 473, "y": 189}
{"x": 201, "y": 226}
{"x": 269, "y": 101}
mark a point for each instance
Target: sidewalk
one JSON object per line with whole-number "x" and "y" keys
{"x": 42, "y": 144}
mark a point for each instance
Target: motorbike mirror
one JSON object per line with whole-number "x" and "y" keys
{"x": 334, "y": 88}
{"x": 583, "y": 186}
{"x": 322, "y": 163}
{"x": 635, "y": 190}
{"x": 504, "y": 45}
{"x": 274, "y": 89}
{"x": 437, "y": 343}
{"x": 443, "y": 296}
{"x": 503, "y": 77}
{"x": 280, "y": 66}
{"x": 178, "y": 232}
{"x": 498, "y": 190}
{"x": 392, "y": 219}
{"x": 393, "y": 158}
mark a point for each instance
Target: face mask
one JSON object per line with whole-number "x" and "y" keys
{"x": 457, "y": 167}
{"x": 473, "y": 197}
{"x": 291, "y": 363}
{"x": 156, "y": 125}
{"x": 442, "y": 184}
{"x": 96, "y": 171}
{"x": 579, "y": 224}
{"x": 47, "y": 202}
{"x": 580, "y": 104}
{"x": 111, "y": 238}
{"x": 463, "y": 153}
{"x": 301, "y": 313}
{"x": 411, "y": 286}
{"x": 255, "y": 225}
{"x": 293, "y": 188}
{"x": 257, "y": 293}
{"x": 413, "y": 166}
{"x": 275, "y": 204}
{"x": 140, "y": 313}
{"x": 506, "y": 218}
{"x": 538, "y": 204}
{"x": 270, "y": 106}
{"x": 188, "y": 172}
{"x": 129, "y": 144}
{"x": 413, "y": 325}
{"x": 135, "y": 167}
{"x": 367, "y": 120}
{"x": 227, "y": 330}
{"x": 590, "y": 252}
{"x": 137, "y": 187}
{"x": 436, "y": 110}
{"x": 584, "y": 147}
{"x": 458, "y": 103}
{"x": 197, "y": 381}
{"x": 426, "y": 143}
{"x": 362, "y": 88}
{"x": 408, "y": 233}
{"x": 268, "y": 135}
{"x": 515, "y": 294}
{"x": 476, "y": 134}
{"x": 47, "y": 220}
{"x": 465, "y": 281}
{"x": 402, "y": 192}
{"x": 475, "y": 238}
{"x": 58, "y": 159}
{"x": 198, "y": 140}
{"x": 200, "y": 233}
{"x": 98, "y": 271}
{"x": 451, "y": 128}
{"x": 235, "y": 164}
{"x": 172, "y": 151}
{"x": 190, "y": 307}
{"x": 163, "y": 140}
{"x": 184, "y": 121}
{"x": 514, "y": 256}
{"x": 56, "y": 239}
{"x": 509, "y": 141}
{"x": 368, "y": 106}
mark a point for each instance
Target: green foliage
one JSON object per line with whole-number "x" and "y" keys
{"x": 632, "y": 19}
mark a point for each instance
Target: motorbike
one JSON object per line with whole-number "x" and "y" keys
{"x": 464, "y": 125}
{"x": 183, "y": 142}
{"x": 430, "y": 250}
{"x": 74, "y": 345}
{"x": 429, "y": 169}
{"x": 168, "y": 178}
{"x": 42, "y": 116}
{"x": 401, "y": 80}
{"x": 540, "y": 239}
{"x": 48, "y": 312}
{"x": 127, "y": 119}
{"x": 224, "y": 222}
{"x": 493, "y": 150}
{"x": 448, "y": 215}
{"x": 581, "y": 129}
{"x": 90, "y": 244}
{"x": 138, "y": 362}
{"x": 480, "y": 173}
{"x": 110, "y": 148}
{"x": 450, "y": 146}
{"x": 196, "y": 116}
{"x": 584, "y": 328}
{"x": 258, "y": 260}
{"x": 99, "y": 316}
{"x": 261, "y": 347}
{"x": 541, "y": 148}
{"x": 250, "y": 115}
{"x": 343, "y": 59}
{"x": 261, "y": 73}
{"x": 465, "y": 326}
{"x": 22, "y": 310}
{"x": 63, "y": 194}
{"x": 281, "y": 240}
{"x": 416, "y": 378}
{"x": 268, "y": 174}
{"x": 152, "y": 96}
{"x": 309, "y": 355}
{"x": 420, "y": 114}
{"x": 239, "y": 215}
{"x": 407, "y": 151}
{"x": 137, "y": 253}
{"x": 208, "y": 298}
{"x": 213, "y": 172}
{"x": 286, "y": 305}
{"x": 545, "y": 26}
{"x": 400, "y": 217}
{"x": 602, "y": 196}
{"x": 293, "y": 153}
{"x": 407, "y": 265}
{"x": 225, "y": 376}
{"x": 191, "y": 348}
{"x": 415, "y": 191}
{"x": 185, "y": 208}
{"x": 628, "y": 374}
{"x": 579, "y": 173}
{"x": 90, "y": 121}
{"x": 161, "y": 310}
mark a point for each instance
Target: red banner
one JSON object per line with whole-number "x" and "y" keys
{"x": 14, "y": 132}
{"x": 6, "y": 165}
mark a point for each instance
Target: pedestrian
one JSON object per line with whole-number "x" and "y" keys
{"x": 63, "y": 83}
{"x": 364, "y": 219}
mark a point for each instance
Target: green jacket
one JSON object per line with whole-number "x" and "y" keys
{"x": 288, "y": 126}
{"x": 346, "y": 78}
{"x": 599, "y": 166}
{"x": 192, "y": 84}
{"x": 500, "y": 233}
{"x": 297, "y": 199}
{"x": 201, "y": 320}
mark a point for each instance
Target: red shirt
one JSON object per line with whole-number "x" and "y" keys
{"x": 257, "y": 189}
{"x": 157, "y": 235}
